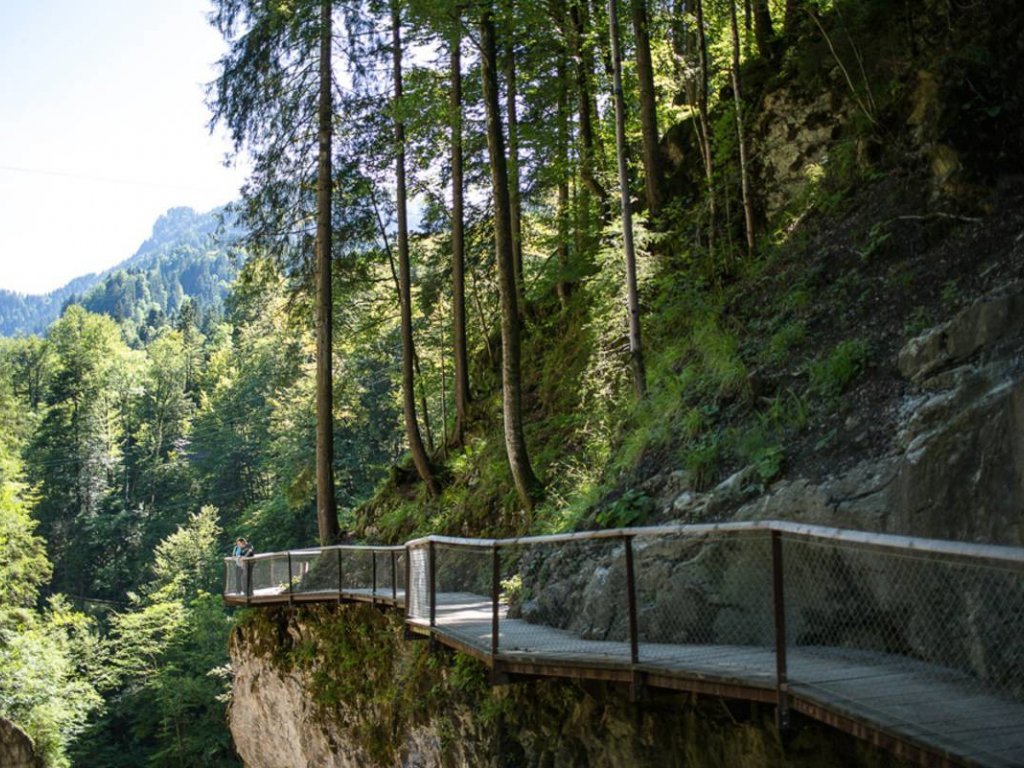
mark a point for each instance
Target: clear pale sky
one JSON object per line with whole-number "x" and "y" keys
{"x": 103, "y": 127}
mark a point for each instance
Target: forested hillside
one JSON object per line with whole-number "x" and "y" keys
{"x": 189, "y": 256}
{"x": 24, "y": 314}
{"x": 808, "y": 185}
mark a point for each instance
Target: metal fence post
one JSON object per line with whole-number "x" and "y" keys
{"x": 248, "y": 581}
{"x": 373, "y": 579}
{"x": 291, "y": 587}
{"x": 432, "y": 586}
{"x": 495, "y": 595}
{"x": 340, "y": 583}
{"x": 634, "y": 640}
{"x": 394, "y": 576}
{"x": 408, "y": 578}
{"x": 781, "y": 683}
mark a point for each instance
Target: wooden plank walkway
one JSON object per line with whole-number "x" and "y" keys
{"x": 926, "y": 704}
{"x": 938, "y": 710}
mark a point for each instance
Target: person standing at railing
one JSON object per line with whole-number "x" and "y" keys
{"x": 242, "y": 549}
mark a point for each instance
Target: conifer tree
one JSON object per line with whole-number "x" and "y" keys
{"x": 274, "y": 94}
{"x": 527, "y": 485}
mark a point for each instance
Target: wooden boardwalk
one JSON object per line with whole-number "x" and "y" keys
{"x": 927, "y": 712}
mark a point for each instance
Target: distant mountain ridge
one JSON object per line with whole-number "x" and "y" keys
{"x": 189, "y": 255}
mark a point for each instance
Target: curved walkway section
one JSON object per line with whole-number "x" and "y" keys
{"x": 916, "y": 645}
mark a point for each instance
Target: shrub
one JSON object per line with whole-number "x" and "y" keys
{"x": 833, "y": 375}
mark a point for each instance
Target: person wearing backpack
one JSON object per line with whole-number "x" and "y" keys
{"x": 242, "y": 548}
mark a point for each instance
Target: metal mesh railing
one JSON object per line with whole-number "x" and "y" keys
{"x": 417, "y": 603}
{"x": 896, "y": 630}
{"x": 463, "y": 605}
{"x": 569, "y": 599}
{"x": 330, "y": 572}
{"x": 901, "y": 610}
{"x": 704, "y": 599}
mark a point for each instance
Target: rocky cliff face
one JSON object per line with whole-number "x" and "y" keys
{"x": 393, "y": 702}
{"x": 15, "y": 747}
{"x": 955, "y": 469}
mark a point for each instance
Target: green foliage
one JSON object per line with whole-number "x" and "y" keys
{"x": 24, "y": 567}
{"x": 168, "y": 652}
{"x": 759, "y": 447}
{"x": 718, "y": 350}
{"x": 921, "y": 319}
{"x": 169, "y": 396}
{"x": 832, "y": 375}
{"x": 701, "y": 460}
{"x": 42, "y": 687}
{"x": 877, "y": 238}
{"x": 629, "y": 509}
{"x": 790, "y": 336}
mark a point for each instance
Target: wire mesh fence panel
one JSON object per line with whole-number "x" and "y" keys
{"x": 269, "y": 575}
{"x": 315, "y": 572}
{"x": 234, "y": 576}
{"x": 417, "y": 603}
{"x": 462, "y": 582}
{"x": 953, "y": 620}
{"x": 704, "y": 602}
{"x": 572, "y": 600}
{"x": 400, "y": 574}
{"x": 357, "y": 571}
{"x": 385, "y": 564}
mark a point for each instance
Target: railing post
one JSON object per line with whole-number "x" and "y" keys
{"x": 408, "y": 579}
{"x": 781, "y": 682}
{"x": 373, "y": 580}
{"x": 291, "y": 587}
{"x": 248, "y": 581}
{"x": 634, "y": 640}
{"x": 394, "y": 576}
{"x": 495, "y": 595}
{"x": 340, "y": 582}
{"x": 432, "y": 586}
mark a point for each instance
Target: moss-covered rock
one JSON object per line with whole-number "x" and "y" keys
{"x": 340, "y": 686}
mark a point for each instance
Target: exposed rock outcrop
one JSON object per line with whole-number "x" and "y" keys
{"x": 793, "y": 139}
{"x": 957, "y": 468}
{"x": 16, "y": 750}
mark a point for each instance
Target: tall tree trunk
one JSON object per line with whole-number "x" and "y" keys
{"x": 527, "y": 485}
{"x": 412, "y": 429}
{"x": 584, "y": 56}
{"x": 635, "y": 350}
{"x": 763, "y": 31}
{"x": 564, "y": 286}
{"x": 748, "y": 205}
{"x": 444, "y": 382}
{"x": 705, "y": 123}
{"x": 424, "y": 404}
{"x": 791, "y": 18}
{"x": 648, "y": 107}
{"x": 326, "y": 506}
{"x": 515, "y": 204}
{"x": 461, "y": 356}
